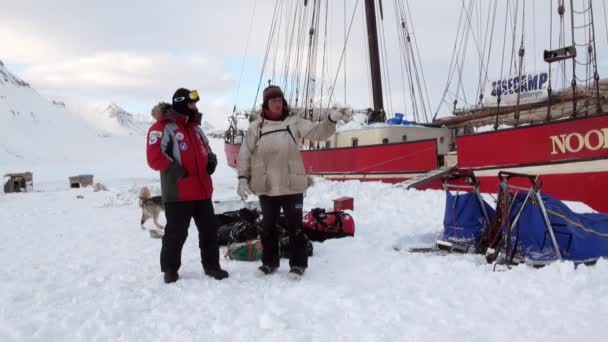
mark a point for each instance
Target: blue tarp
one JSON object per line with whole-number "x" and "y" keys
{"x": 580, "y": 237}
{"x": 463, "y": 221}
{"x": 399, "y": 120}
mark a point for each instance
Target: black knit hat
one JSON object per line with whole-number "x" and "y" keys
{"x": 271, "y": 92}
{"x": 181, "y": 98}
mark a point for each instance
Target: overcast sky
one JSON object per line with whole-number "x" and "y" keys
{"x": 136, "y": 53}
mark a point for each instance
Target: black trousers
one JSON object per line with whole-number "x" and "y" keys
{"x": 292, "y": 208}
{"x": 179, "y": 215}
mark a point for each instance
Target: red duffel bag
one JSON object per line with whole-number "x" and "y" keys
{"x": 320, "y": 226}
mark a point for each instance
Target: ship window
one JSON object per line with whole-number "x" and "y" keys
{"x": 404, "y": 138}
{"x": 385, "y": 141}
{"x": 441, "y": 140}
{"x": 355, "y": 142}
{"x": 328, "y": 144}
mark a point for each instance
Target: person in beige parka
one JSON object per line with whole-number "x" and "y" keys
{"x": 270, "y": 166}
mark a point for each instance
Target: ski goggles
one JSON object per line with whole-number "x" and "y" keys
{"x": 192, "y": 96}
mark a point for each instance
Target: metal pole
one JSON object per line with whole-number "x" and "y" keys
{"x": 481, "y": 203}
{"x": 521, "y": 209}
{"x": 573, "y": 60}
{"x": 596, "y": 76}
{"x": 548, "y": 223}
{"x": 374, "y": 55}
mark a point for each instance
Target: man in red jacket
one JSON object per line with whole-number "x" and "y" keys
{"x": 178, "y": 148}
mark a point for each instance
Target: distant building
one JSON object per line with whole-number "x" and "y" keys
{"x": 18, "y": 182}
{"x": 81, "y": 181}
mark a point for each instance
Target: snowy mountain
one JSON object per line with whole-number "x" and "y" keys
{"x": 109, "y": 118}
{"x": 127, "y": 120}
{"x": 45, "y": 137}
{"x": 8, "y": 78}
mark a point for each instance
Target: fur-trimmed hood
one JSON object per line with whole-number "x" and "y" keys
{"x": 163, "y": 110}
{"x": 160, "y": 110}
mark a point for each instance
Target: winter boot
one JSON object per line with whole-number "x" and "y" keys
{"x": 171, "y": 277}
{"x": 216, "y": 273}
{"x": 265, "y": 270}
{"x": 295, "y": 273}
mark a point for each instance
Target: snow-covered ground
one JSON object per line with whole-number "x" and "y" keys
{"x": 82, "y": 270}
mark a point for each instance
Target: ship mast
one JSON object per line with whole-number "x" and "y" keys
{"x": 377, "y": 114}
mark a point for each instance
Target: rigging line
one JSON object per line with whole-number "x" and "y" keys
{"x": 549, "y": 90}
{"x": 417, "y": 49}
{"x": 268, "y": 46}
{"x": 605, "y": 20}
{"x": 288, "y": 45}
{"x": 589, "y": 60}
{"x": 296, "y": 46}
{"x": 311, "y": 78}
{"x": 401, "y": 53}
{"x": 596, "y": 76}
{"x": 534, "y": 32}
{"x": 238, "y": 88}
{"x": 345, "y": 56}
{"x": 521, "y": 61}
{"x": 563, "y": 44}
{"x": 342, "y": 55}
{"x": 311, "y": 57}
{"x": 469, "y": 22}
{"x": 460, "y": 86}
{"x": 479, "y": 23}
{"x": 411, "y": 67}
{"x": 407, "y": 58}
{"x": 485, "y": 44}
{"x": 276, "y": 49}
{"x": 448, "y": 82}
{"x": 407, "y": 61}
{"x": 293, "y": 46}
{"x": 289, "y": 41}
{"x": 408, "y": 67}
{"x": 573, "y": 60}
{"x": 482, "y": 60}
{"x": 513, "y": 63}
{"x": 301, "y": 43}
{"x": 364, "y": 52}
{"x": 491, "y": 40}
{"x": 583, "y": 80}
{"x": 583, "y": 11}
{"x": 324, "y": 54}
{"x": 384, "y": 64}
{"x": 502, "y": 64}
{"x": 461, "y": 55}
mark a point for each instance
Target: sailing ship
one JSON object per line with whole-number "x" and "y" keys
{"x": 517, "y": 123}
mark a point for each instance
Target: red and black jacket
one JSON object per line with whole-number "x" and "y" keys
{"x": 179, "y": 150}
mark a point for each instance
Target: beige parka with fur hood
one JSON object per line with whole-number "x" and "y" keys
{"x": 270, "y": 155}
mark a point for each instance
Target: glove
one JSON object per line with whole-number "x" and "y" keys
{"x": 344, "y": 113}
{"x": 176, "y": 171}
{"x": 243, "y": 189}
{"x": 211, "y": 163}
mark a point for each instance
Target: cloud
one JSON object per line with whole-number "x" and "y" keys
{"x": 140, "y": 51}
{"x": 133, "y": 74}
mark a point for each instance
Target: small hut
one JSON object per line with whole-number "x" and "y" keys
{"x": 81, "y": 181}
{"x": 18, "y": 182}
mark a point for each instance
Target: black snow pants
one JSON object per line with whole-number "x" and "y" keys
{"x": 292, "y": 208}
{"x": 179, "y": 215}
